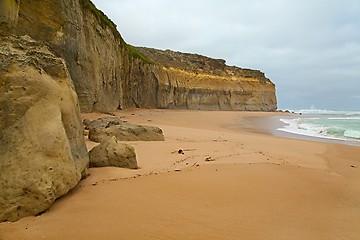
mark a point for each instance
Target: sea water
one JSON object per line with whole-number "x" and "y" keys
{"x": 339, "y": 125}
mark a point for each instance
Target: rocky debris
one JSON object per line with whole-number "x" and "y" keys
{"x": 42, "y": 149}
{"x": 86, "y": 123}
{"x": 111, "y": 153}
{"x": 209, "y": 159}
{"x": 182, "y": 151}
{"x": 104, "y": 128}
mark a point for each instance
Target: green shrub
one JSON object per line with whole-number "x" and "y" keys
{"x": 135, "y": 53}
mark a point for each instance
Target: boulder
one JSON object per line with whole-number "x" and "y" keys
{"x": 42, "y": 149}
{"x": 111, "y": 153}
{"x": 104, "y": 128}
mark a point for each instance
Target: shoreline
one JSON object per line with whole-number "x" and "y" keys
{"x": 271, "y": 124}
{"x": 288, "y": 188}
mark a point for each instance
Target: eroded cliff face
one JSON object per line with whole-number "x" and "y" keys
{"x": 193, "y": 81}
{"x": 108, "y": 74}
{"x": 87, "y": 40}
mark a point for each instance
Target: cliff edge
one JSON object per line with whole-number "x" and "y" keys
{"x": 109, "y": 74}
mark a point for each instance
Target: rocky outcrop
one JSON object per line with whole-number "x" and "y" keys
{"x": 109, "y": 74}
{"x": 42, "y": 149}
{"x": 105, "y": 128}
{"x": 111, "y": 153}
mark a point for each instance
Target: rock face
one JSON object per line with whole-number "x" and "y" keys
{"x": 9, "y": 11}
{"x": 110, "y": 153}
{"x": 100, "y": 63}
{"x": 105, "y": 128}
{"x": 109, "y": 74}
{"x": 42, "y": 149}
{"x": 193, "y": 81}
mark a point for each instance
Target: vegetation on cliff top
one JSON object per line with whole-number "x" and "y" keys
{"x": 199, "y": 64}
{"x": 104, "y": 22}
{"x": 135, "y": 53}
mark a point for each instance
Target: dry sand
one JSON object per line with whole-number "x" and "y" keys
{"x": 253, "y": 186}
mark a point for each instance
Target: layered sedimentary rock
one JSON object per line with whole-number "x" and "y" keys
{"x": 193, "y": 81}
{"x": 109, "y": 74}
{"x": 42, "y": 149}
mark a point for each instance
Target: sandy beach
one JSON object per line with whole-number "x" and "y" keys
{"x": 232, "y": 182}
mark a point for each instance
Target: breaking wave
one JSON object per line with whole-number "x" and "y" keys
{"x": 340, "y": 125}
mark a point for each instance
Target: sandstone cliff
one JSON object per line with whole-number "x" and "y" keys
{"x": 193, "y": 81}
{"x": 109, "y": 74}
{"x": 105, "y": 69}
{"x": 42, "y": 149}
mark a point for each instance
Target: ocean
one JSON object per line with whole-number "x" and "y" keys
{"x": 337, "y": 125}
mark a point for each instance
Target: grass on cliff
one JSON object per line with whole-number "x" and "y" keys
{"x": 104, "y": 22}
{"x": 135, "y": 53}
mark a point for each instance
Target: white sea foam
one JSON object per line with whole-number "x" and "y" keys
{"x": 327, "y": 112}
{"x": 344, "y": 118}
{"x": 352, "y": 134}
{"x": 295, "y": 127}
{"x": 340, "y": 125}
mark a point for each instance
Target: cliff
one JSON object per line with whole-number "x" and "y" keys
{"x": 109, "y": 74}
{"x": 192, "y": 81}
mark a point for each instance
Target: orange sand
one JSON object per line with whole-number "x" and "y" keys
{"x": 255, "y": 186}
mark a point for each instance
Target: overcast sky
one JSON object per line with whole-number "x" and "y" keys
{"x": 310, "y": 49}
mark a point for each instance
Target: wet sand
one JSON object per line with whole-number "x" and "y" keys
{"x": 232, "y": 182}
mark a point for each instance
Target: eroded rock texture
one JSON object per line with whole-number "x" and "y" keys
{"x": 42, "y": 149}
